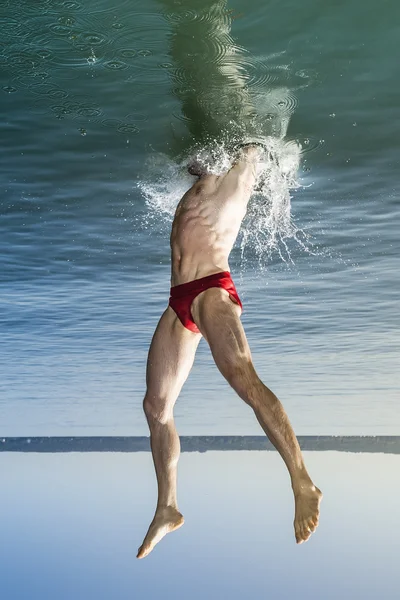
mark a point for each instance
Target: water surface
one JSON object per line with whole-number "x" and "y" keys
{"x": 95, "y": 101}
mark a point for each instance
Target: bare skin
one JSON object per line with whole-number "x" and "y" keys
{"x": 205, "y": 227}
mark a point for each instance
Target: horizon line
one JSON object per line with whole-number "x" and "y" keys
{"x": 386, "y": 444}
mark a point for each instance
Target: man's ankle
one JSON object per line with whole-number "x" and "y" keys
{"x": 301, "y": 481}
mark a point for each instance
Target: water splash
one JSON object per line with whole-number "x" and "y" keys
{"x": 268, "y": 227}
{"x": 164, "y": 185}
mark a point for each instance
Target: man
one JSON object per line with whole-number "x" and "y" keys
{"x": 204, "y": 302}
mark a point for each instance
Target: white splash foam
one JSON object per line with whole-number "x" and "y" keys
{"x": 268, "y": 226}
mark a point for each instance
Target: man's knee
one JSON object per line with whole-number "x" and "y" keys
{"x": 156, "y": 409}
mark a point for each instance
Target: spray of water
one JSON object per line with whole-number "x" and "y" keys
{"x": 268, "y": 227}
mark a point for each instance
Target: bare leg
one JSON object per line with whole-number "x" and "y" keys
{"x": 218, "y": 319}
{"x": 171, "y": 357}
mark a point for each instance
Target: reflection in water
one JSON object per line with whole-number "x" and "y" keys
{"x": 227, "y": 97}
{"x": 225, "y": 94}
{"x": 208, "y": 77}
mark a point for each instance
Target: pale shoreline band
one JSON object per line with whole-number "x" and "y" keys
{"x": 362, "y": 444}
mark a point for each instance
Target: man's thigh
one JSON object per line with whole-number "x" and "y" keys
{"x": 218, "y": 319}
{"x": 171, "y": 356}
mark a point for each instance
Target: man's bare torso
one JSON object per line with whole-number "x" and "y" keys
{"x": 208, "y": 219}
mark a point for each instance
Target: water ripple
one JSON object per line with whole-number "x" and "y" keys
{"x": 59, "y": 29}
{"x": 128, "y": 128}
{"x": 289, "y": 103}
{"x": 81, "y": 108}
{"x": 135, "y": 117}
{"x": 115, "y": 65}
{"x": 112, "y": 123}
{"x": 309, "y": 143}
{"x": 256, "y": 73}
{"x": 86, "y": 40}
{"x": 150, "y": 36}
{"x": 127, "y": 53}
{"x": 9, "y": 89}
{"x": 72, "y": 5}
{"x": 22, "y": 59}
{"x": 56, "y": 40}
{"x": 183, "y": 15}
{"x": 9, "y": 27}
{"x": 49, "y": 89}
{"x": 211, "y": 15}
{"x": 125, "y": 7}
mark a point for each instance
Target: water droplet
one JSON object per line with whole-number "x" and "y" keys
{"x": 115, "y": 65}
{"x": 92, "y": 58}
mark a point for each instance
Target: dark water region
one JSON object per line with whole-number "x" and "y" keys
{"x": 204, "y": 443}
{"x": 72, "y": 524}
{"x": 100, "y": 103}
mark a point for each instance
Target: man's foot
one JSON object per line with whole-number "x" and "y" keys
{"x": 165, "y": 520}
{"x": 307, "y": 499}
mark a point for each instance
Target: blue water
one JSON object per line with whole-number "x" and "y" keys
{"x": 92, "y": 100}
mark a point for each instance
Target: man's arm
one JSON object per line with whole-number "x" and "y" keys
{"x": 243, "y": 174}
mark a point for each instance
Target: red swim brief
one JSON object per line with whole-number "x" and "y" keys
{"x": 183, "y": 295}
